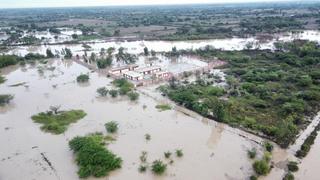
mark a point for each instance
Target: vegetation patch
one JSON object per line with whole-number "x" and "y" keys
{"x": 57, "y": 122}
{"x": 163, "y": 107}
{"x": 103, "y": 91}
{"x": 123, "y": 85}
{"x": 92, "y": 157}
{"x": 2, "y": 79}
{"x": 306, "y": 146}
{"x": 158, "y": 167}
{"x": 269, "y": 92}
{"x": 111, "y": 127}
{"x": 293, "y": 166}
{"x": 288, "y": 176}
{"x": 5, "y": 99}
{"x": 83, "y": 78}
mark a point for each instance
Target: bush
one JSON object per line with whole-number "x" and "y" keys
{"x": 261, "y": 167}
{"x": 57, "y": 122}
{"x": 5, "y": 99}
{"x": 113, "y": 93}
{"x": 147, "y": 137}
{"x": 103, "y": 91}
{"x": 83, "y": 78}
{"x": 167, "y": 154}
{"x": 268, "y": 146}
{"x": 293, "y": 166}
{"x": 158, "y": 167}
{"x": 288, "y": 176}
{"x": 92, "y": 157}
{"x": 133, "y": 96}
{"x": 253, "y": 178}
{"x": 143, "y": 157}
{"x": 142, "y": 168}
{"x": 179, "y": 153}
{"x": 123, "y": 85}
{"x": 252, "y": 153}
{"x": 111, "y": 127}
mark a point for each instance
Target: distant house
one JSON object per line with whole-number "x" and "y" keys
{"x": 148, "y": 70}
{"x": 132, "y": 75}
{"x": 163, "y": 75}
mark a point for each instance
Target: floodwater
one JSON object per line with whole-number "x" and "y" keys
{"x": 137, "y": 47}
{"x": 211, "y": 150}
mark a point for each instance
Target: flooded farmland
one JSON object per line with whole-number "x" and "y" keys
{"x": 136, "y": 47}
{"x": 220, "y": 151}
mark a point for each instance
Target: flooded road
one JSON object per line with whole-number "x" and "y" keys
{"x": 211, "y": 150}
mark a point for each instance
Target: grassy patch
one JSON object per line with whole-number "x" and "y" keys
{"x": 163, "y": 107}
{"x": 92, "y": 157}
{"x": 57, "y": 122}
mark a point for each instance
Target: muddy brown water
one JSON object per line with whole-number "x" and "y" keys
{"x": 211, "y": 150}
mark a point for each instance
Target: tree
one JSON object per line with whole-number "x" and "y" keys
{"x": 74, "y": 36}
{"x": 68, "y": 53}
{"x": 146, "y": 51}
{"x": 153, "y": 53}
{"x": 49, "y": 53}
{"x": 116, "y": 32}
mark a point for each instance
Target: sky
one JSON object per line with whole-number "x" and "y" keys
{"x": 75, "y": 3}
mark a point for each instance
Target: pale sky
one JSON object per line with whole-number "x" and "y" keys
{"x": 75, "y": 3}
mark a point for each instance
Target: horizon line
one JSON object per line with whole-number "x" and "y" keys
{"x": 137, "y": 5}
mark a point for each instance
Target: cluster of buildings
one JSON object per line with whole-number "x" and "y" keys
{"x": 136, "y": 73}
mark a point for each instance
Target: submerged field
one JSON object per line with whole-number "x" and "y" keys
{"x": 220, "y": 151}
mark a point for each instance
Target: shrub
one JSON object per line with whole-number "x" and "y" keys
{"x": 253, "y": 178}
{"x": 288, "y": 176}
{"x": 268, "y": 146}
{"x": 292, "y": 166}
{"x": 158, "y": 167}
{"x": 252, "y": 153}
{"x": 133, "y": 96}
{"x": 167, "y": 154}
{"x": 261, "y": 167}
{"x": 111, "y": 127}
{"x": 147, "y": 137}
{"x": 142, "y": 168}
{"x": 92, "y": 157}
{"x": 113, "y": 93}
{"x": 58, "y": 122}
{"x": 5, "y": 99}
{"x": 123, "y": 85}
{"x": 102, "y": 91}
{"x": 143, "y": 156}
{"x": 179, "y": 153}
{"x": 83, "y": 78}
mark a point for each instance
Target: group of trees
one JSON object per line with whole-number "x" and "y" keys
{"x": 266, "y": 91}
